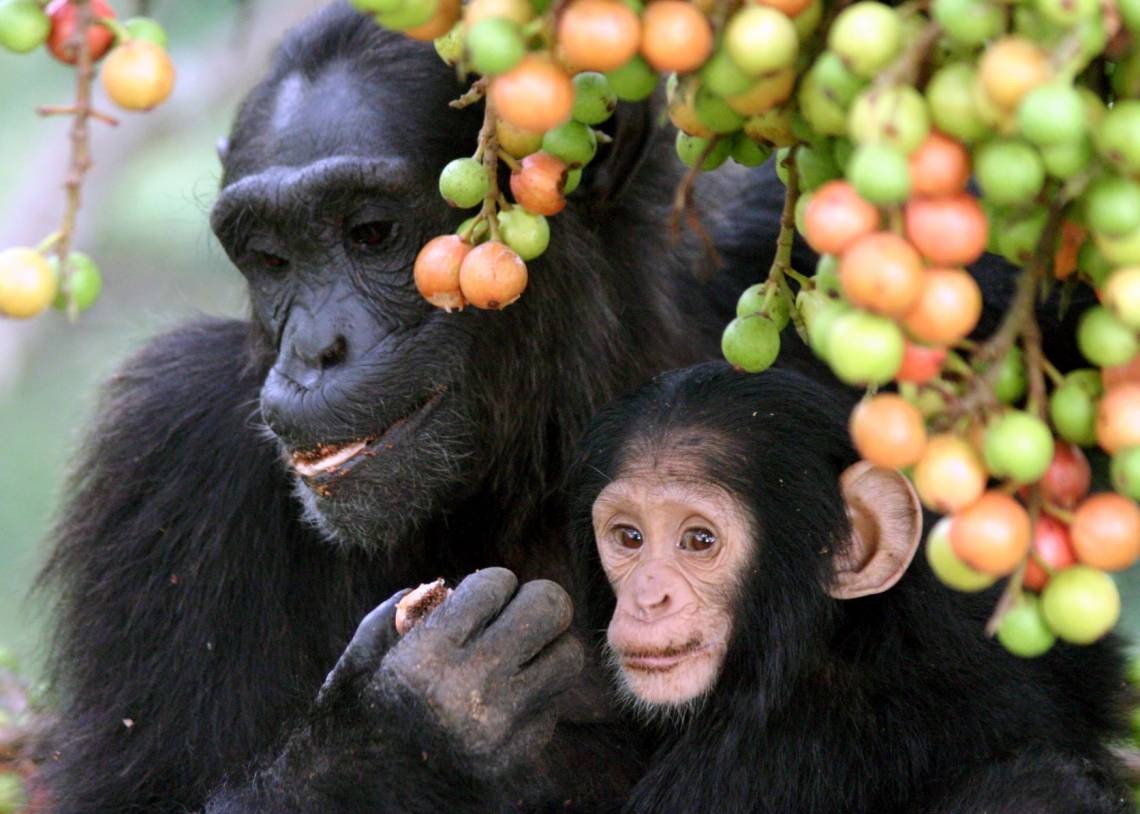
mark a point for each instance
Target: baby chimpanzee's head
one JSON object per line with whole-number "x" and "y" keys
{"x": 725, "y": 511}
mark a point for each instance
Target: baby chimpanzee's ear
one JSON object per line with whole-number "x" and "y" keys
{"x": 886, "y": 527}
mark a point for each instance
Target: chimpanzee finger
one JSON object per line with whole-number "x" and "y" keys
{"x": 553, "y": 671}
{"x": 374, "y": 636}
{"x": 474, "y": 602}
{"x": 540, "y": 611}
{"x": 528, "y": 739}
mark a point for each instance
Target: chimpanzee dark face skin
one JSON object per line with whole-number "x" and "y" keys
{"x": 324, "y": 214}
{"x": 391, "y": 413}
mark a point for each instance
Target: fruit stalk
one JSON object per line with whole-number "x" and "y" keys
{"x": 71, "y": 110}
{"x": 80, "y": 161}
{"x": 1012, "y": 590}
{"x": 781, "y": 267}
{"x": 782, "y": 261}
{"x": 1020, "y": 321}
{"x": 905, "y": 68}
{"x": 683, "y": 205}
{"x": 472, "y": 95}
{"x": 1029, "y": 330}
{"x": 488, "y": 152}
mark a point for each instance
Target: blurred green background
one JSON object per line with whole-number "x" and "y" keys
{"x": 145, "y": 222}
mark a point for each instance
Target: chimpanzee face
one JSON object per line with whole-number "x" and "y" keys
{"x": 324, "y": 209}
{"x": 672, "y": 546}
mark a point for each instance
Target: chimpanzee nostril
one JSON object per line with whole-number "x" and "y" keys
{"x": 308, "y": 352}
{"x": 334, "y": 354}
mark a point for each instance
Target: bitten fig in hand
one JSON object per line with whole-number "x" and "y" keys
{"x": 418, "y": 603}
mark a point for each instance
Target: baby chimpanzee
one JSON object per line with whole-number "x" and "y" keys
{"x": 752, "y": 580}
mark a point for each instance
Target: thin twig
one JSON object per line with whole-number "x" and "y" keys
{"x": 80, "y": 146}
{"x": 71, "y": 110}
{"x": 782, "y": 260}
{"x": 489, "y": 153}
{"x": 1020, "y": 319}
{"x": 1055, "y": 376}
{"x": 473, "y": 94}
{"x": 1030, "y": 331}
{"x": 904, "y": 70}
{"x": 1012, "y": 592}
{"x": 509, "y": 160}
{"x": 683, "y": 206}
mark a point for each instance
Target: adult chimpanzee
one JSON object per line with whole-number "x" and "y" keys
{"x": 766, "y": 622}
{"x": 211, "y": 571}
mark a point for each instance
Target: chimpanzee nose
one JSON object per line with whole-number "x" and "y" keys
{"x": 309, "y": 356}
{"x": 330, "y": 356}
{"x": 651, "y": 594}
{"x": 308, "y": 360}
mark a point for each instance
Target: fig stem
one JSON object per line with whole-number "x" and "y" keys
{"x": 782, "y": 261}
{"x": 122, "y": 35}
{"x": 488, "y": 153}
{"x": 905, "y": 68}
{"x": 72, "y": 110}
{"x": 473, "y": 94}
{"x": 1064, "y": 515}
{"x": 683, "y": 205}
{"x": 80, "y": 160}
{"x": 1051, "y": 371}
{"x": 1035, "y": 360}
{"x": 45, "y": 245}
{"x": 1019, "y": 322}
{"x": 509, "y": 160}
{"x": 1012, "y": 590}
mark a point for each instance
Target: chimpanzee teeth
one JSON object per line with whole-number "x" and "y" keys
{"x": 308, "y": 469}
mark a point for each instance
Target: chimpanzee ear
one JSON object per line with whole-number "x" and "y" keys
{"x": 886, "y": 526}
{"x": 632, "y": 130}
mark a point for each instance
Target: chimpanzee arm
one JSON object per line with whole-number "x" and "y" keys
{"x": 194, "y": 615}
{"x": 1044, "y": 782}
{"x": 198, "y": 617}
{"x": 404, "y": 764}
{"x": 448, "y": 718}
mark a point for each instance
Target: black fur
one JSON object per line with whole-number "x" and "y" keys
{"x": 200, "y": 604}
{"x": 890, "y": 703}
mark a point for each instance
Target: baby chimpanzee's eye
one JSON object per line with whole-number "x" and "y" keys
{"x": 697, "y": 539}
{"x": 628, "y": 537}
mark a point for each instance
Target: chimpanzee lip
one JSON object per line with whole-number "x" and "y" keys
{"x": 661, "y": 660}
{"x": 323, "y": 464}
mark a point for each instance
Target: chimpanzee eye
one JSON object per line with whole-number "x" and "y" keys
{"x": 628, "y": 537}
{"x": 697, "y": 539}
{"x": 270, "y": 261}
{"x": 372, "y": 233}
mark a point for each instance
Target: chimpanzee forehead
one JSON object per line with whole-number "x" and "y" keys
{"x": 681, "y": 454}
{"x": 674, "y": 474}
{"x": 657, "y": 466}
{"x": 326, "y": 115}
{"x": 652, "y": 487}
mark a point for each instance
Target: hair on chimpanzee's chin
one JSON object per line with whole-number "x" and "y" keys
{"x": 671, "y": 716}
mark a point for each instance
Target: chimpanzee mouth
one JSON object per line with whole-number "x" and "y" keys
{"x": 324, "y": 464}
{"x": 661, "y": 660}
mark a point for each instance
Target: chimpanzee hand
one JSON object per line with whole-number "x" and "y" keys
{"x": 487, "y": 664}
{"x": 482, "y": 668}
{"x": 375, "y": 634}
{"x": 428, "y": 722}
